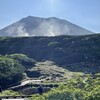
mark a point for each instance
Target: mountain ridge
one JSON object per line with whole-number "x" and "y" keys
{"x": 36, "y": 26}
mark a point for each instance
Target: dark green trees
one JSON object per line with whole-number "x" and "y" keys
{"x": 11, "y": 72}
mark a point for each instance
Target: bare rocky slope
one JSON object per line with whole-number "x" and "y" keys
{"x": 35, "y": 26}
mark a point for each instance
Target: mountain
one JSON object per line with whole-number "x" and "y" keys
{"x": 75, "y": 53}
{"x": 35, "y": 26}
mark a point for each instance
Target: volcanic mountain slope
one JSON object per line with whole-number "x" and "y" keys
{"x": 35, "y": 26}
{"x": 76, "y": 53}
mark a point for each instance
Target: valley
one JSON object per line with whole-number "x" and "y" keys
{"x": 54, "y": 62}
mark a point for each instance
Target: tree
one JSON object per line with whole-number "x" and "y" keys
{"x": 11, "y": 71}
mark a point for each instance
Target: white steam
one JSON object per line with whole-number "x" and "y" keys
{"x": 46, "y": 28}
{"x": 17, "y": 30}
{"x": 50, "y": 27}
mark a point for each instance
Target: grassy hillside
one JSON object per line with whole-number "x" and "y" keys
{"x": 76, "y": 53}
{"x": 48, "y": 71}
{"x": 17, "y": 67}
{"x": 85, "y": 87}
{"x": 81, "y": 88}
{"x": 11, "y": 72}
{"x": 53, "y": 59}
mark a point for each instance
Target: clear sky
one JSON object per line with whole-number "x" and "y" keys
{"x": 85, "y": 13}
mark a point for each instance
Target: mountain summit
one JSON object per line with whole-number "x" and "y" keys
{"x": 35, "y": 26}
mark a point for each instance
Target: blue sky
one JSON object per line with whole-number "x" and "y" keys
{"x": 85, "y": 13}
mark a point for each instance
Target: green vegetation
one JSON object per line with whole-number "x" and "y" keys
{"x": 9, "y": 93}
{"x": 75, "y": 53}
{"x": 82, "y": 88}
{"x": 54, "y": 44}
{"x": 23, "y": 59}
{"x": 11, "y": 72}
{"x": 60, "y": 58}
{"x": 16, "y": 67}
{"x": 49, "y": 71}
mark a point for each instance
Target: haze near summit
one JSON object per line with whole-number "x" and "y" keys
{"x": 84, "y": 13}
